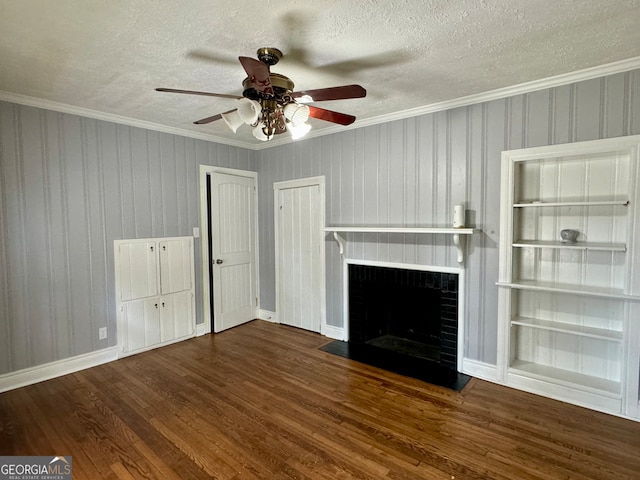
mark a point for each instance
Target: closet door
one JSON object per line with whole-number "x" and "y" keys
{"x": 300, "y": 264}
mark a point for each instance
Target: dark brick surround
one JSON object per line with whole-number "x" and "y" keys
{"x": 411, "y": 312}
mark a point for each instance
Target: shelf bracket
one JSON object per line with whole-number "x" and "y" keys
{"x": 458, "y": 241}
{"x": 341, "y": 242}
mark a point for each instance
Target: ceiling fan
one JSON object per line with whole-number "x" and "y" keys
{"x": 269, "y": 104}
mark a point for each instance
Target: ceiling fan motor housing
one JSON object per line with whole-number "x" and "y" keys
{"x": 269, "y": 55}
{"x": 281, "y": 86}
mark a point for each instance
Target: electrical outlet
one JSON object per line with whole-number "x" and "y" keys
{"x": 102, "y": 333}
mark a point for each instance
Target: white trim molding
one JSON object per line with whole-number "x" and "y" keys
{"x": 201, "y": 329}
{"x": 478, "y": 369}
{"x": 40, "y": 373}
{"x": 336, "y": 333}
{"x": 267, "y": 316}
{"x": 526, "y": 87}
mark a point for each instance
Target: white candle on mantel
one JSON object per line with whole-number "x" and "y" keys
{"x": 458, "y": 216}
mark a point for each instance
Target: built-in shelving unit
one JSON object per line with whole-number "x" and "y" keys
{"x": 457, "y": 234}
{"x": 569, "y": 313}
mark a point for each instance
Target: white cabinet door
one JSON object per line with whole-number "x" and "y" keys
{"x": 175, "y": 265}
{"x": 176, "y": 316}
{"x": 141, "y": 323}
{"x": 154, "y": 292}
{"x": 138, "y": 270}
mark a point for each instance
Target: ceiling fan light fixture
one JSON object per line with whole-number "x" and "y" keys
{"x": 259, "y": 133}
{"x": 233, "y": 120}
{"x": 249, "y": 110}
{"x": 296, "y": 114}
{"x": 299, "y": 131}
{"x": 270, "y": 105}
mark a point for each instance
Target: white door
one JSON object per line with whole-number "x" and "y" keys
{"x": 300, "y": 260}
{"x": 233, "y": 256}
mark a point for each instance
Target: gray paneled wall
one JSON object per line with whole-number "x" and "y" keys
{"x": 413, "y": 171}
{"x": 69, "y": 186}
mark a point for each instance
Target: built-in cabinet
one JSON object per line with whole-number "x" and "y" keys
{"x": 569, "y": 312}
{"x": 154, "y": 292}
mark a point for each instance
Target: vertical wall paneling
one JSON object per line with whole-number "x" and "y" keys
{"x": 91, "y": 182}
{"x": 69, "y": 186}
{"x": 6, "y": 127}
{"x": 415, "y": 170}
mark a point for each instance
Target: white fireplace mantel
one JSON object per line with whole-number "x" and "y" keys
{"x": 457, "y": 233}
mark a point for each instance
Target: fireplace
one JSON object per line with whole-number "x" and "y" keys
{"x": 404, "y": 320}
{"x": 412, "y": 312}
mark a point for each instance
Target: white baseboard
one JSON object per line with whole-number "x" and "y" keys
{"x": 479, "y": 369}
{"x": 201, "y": 329}
{"x": 29, "y": 376}
{"x": 267, "y": 316}
{"x": 337, "y": 333}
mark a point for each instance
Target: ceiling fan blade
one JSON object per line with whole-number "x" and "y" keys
{"x": 331, "y": 116}
{"x": 191, "y": 92}
{"x": 213, "y": 118}
{"x": 258, "y": 74}
{"x": 333, "y": 93}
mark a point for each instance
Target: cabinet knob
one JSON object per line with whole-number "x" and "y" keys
{"x": 219, "y": 261}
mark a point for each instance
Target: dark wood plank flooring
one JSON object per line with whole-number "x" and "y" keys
{"x": 261, "y": 401}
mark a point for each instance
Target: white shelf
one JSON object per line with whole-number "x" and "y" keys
{"x": 568, "y": 328}
{"x": 622, "y": 203}
{"x": 386, "y": 229}
{"x": 602, "y": 386}
{"x": 590, "y": 356}
{"x": 569, "y": 289}
{"x": 609, "y": 247}
{"x": 454, "y": 232}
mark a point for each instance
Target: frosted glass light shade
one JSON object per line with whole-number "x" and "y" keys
{"x": 249, "y": 110}
{"x": 296, "y": 114}
{"x": 299, "y": 131}
{"x": 232, "y": 119}
{"x": 259, "y": 134}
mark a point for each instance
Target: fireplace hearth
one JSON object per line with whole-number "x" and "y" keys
{"x": 404, "y": 321}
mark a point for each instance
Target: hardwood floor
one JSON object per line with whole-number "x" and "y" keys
{"x": 261, "y": 401}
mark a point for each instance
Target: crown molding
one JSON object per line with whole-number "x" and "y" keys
{"x": 120, "y": 119}
{"x": 499, "y": 93}
{"x": 505, "y": 92}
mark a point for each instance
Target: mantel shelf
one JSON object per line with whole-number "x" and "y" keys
{"x": 455, "y": 232}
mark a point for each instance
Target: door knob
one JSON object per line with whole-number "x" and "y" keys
{"x": 219, "y": 261}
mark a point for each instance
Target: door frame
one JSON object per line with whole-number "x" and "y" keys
{"x": 302, "y": 182}
{"x": 205, "y": 170}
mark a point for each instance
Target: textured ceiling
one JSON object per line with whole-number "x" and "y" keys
{"x": 109, "y": 55}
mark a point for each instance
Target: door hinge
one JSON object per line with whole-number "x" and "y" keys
{"x": 256, "y": 301}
